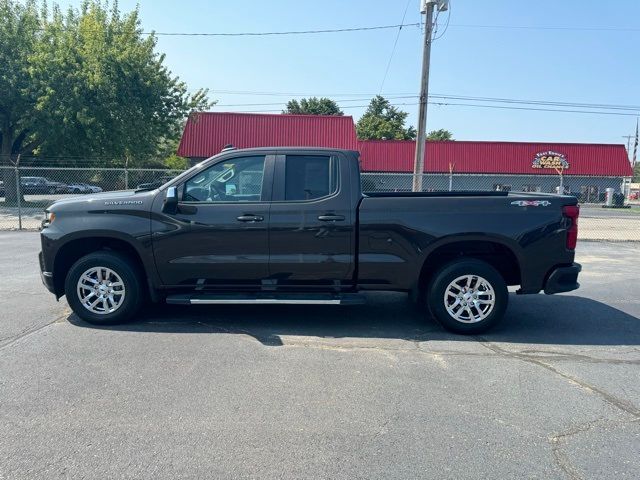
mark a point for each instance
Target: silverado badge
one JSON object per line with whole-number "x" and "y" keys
{"x": 123, "y": 202}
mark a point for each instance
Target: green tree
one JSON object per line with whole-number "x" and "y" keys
{"x": 85, "y": 83}
{"x": 168, "y": 145}
{"x": 440, "y": 135}
{"x": 636, "y": 173}
{"x": 313, "y": 106}
{"x": 18, "y": 36}
{"x": 383, "y": 121}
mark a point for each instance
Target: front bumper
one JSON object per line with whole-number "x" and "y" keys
{"x": 46, "y": 277}
{"x": 563, "y": 279}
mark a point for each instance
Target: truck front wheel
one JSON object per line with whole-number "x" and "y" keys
{"x": 102, "y": 288}
{"x": 467, "y": 296}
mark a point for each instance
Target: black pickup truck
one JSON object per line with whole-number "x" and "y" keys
{"x": 292, "y": 225}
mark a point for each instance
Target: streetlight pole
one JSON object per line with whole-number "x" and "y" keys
{"x": 428, "y": 6}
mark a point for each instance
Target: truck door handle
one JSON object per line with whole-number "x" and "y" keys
{"x": 331, "y": 218}
{"x": 250, "y": 218}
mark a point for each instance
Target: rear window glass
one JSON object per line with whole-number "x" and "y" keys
{"x": 308, "y": 177}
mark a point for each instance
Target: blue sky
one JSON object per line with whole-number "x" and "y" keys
{"x": 558, "y": 65}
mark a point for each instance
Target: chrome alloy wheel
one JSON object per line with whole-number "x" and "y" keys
{"x": 469, "y": 299}
{"x": 101, "y": 290}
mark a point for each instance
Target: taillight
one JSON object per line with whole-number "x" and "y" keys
{"x": 572, "y": 212}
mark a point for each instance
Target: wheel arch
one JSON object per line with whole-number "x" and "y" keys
{"x": 501, "y": 253}
{"x": 79, "y": 246}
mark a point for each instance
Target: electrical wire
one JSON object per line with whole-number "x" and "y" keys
{"x": 395, "y": 44}
{"x": 282, "y": 103}
{"x": 505, "y": 107}
{"x": 446, "y": 27}
{"x": 292, "y": 32}
{"x": 548, "y": 27}
{"x": 431, "y": 96}
{"x": 383, "y": 27}
{"x": 537, "y": 102}
{"x": 289, "y": 94}
{"x": 472, "y": 105}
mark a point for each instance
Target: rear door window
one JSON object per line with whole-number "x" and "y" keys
{"x": 309, "y": 177}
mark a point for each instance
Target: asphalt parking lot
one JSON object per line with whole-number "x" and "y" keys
{"x": 373, "y": 391}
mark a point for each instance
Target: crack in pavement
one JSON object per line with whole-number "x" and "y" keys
{"x": 10, "y": 340}
{"x": 548, "y": 356}
{"x": 576, "y": 357}
{"x": 561, "y": 459}
{"x": 316, "y": 342}
{"x": 559, "y": 440}
{"x": 619, "y": 403}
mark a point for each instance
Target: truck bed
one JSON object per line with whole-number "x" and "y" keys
{"x": 454, "y": 193}
{"x": 398, "y": 230}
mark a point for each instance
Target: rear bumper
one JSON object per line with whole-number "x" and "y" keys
{"x": 563, "y": 279}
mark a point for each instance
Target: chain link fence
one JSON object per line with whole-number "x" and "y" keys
{"x": 26, "y": 191}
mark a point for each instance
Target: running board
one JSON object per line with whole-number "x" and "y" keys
{"x": 266, "y": 299}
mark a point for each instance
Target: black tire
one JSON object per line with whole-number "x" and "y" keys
{"x": 131, "y": 279}
{"x": 450, "y": 272}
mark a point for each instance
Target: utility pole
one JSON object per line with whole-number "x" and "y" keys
{"x": 427, "y": 8}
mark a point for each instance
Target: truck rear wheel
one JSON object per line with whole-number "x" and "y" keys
{"x": 102, "y": 288}
{"x": 467, "y": 296}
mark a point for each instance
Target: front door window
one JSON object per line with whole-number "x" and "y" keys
{"x": 235, "y": 180}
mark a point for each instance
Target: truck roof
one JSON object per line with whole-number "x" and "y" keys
{"x": 289, "y": 149}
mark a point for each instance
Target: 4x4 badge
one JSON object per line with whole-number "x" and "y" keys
{"x": 531, "y": 203}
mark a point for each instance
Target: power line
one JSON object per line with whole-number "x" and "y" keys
{"x": 395, "y": 44}
{"x": 290, "y": 94}
{"x": 283, "y": 103}
{"x": 434, "y": 95}
{"x": 537, "y": 102}
{"x": 383, "y": 27}
{"x": 548, "y": 27}
{"x": 446, "y": 26}
{"x": 548, "y": 103}
{"x": 472, "y": 105}
{"x": 291, "y": 32}
{"x": 504, "y": 107}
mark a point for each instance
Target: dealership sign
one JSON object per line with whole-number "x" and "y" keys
{"x": 555, "y": 160}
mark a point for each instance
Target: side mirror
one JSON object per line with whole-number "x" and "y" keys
{"x": 170, "y": 200}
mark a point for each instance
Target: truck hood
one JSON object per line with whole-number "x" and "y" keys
{"x": 108, "y": 200}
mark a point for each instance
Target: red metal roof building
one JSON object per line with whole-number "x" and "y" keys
{"x": 505, "y": 158}
{"x": 207, "y": 133}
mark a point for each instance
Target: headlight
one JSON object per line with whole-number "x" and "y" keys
{"x": 49, "y": 217}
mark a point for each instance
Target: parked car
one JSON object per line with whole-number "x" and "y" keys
{"x": 77, "y": 188}
{"x": 155, "y": 184}
{"x": 291, "y": 225}
{"x": 40, "y": 185}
